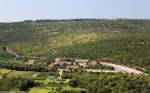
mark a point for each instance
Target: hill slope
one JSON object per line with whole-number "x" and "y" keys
{"x": 122, "y": 41}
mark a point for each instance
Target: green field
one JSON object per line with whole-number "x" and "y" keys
{"x": 2, "y": 70}
{"x": 54, "y": 87}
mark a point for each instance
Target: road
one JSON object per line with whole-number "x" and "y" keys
{"x": 97, "y": 70}
{"x": 120, "y": 68}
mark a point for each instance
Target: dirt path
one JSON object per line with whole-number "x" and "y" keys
{"x": 35, "y": 74}
{"x": 60, "y": 72}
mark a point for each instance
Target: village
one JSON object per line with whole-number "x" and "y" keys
{"x": 67, "y": 65}
{"x": 71, "y": 65}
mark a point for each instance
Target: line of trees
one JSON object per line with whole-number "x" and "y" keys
{"x": 23, "y": 67}
{"x": 9, "y": 84}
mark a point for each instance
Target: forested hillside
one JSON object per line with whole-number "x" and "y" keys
{"x": 122, "y": 41}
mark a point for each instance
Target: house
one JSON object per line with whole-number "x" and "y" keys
{"x": 82, "y": 63}
{"x": 81, "y": 60}
{"x": 93, "y": 63}
{"x": 50, "y": 66}
{"x": 29, "y": 62}
{"x": 58, "y": 61}
{"x": 73, "y": 67}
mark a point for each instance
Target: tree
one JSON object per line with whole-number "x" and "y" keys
{"x": 73, "y": 83}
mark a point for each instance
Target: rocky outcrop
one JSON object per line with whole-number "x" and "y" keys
{"x": 9, "y": 51}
